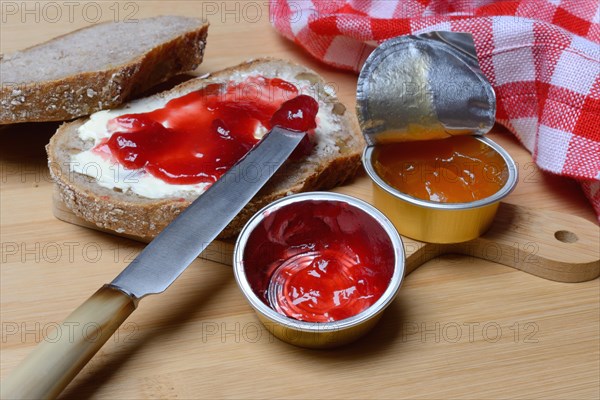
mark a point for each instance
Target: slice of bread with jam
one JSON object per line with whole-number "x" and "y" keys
{"x": 136, "y": 202}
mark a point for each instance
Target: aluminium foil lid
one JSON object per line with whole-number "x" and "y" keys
{"x": 424, "y": 87}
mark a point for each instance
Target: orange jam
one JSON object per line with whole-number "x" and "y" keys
{"x": 459, "y": 169}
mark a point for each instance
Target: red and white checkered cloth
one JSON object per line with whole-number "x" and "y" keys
{"x": 541, "y": 56}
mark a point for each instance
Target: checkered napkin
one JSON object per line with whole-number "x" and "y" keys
{"x": 541, "y": 56}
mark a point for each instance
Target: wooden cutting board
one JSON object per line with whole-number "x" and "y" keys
{"x": 548, "y": 244}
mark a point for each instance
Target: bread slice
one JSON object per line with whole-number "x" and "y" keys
{"x": 334, "y": 160}
{"x": 96, "y": 68}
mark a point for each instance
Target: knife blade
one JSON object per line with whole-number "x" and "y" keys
{"x": 52, "y": 365}
{"x": 169, "y": 254}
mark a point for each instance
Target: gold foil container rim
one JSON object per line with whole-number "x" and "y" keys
{"x": 505, "y": 190}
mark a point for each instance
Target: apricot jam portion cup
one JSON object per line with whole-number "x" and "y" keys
{"x": 440, "y": 191}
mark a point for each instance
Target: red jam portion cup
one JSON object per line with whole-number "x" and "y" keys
{"x": 319, "y": 268}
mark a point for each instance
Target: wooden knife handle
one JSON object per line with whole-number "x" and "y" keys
{"x": 53, "y": 364}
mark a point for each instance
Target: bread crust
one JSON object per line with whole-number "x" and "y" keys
{"x": 87, "y": 92}
{"x": 145, "y": 218}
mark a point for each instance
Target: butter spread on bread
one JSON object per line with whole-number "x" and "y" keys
{"x": 111, "y": 174}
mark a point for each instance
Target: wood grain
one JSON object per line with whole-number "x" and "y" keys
{"x": 548, "y": 244}
{"x": 460, "y": 328}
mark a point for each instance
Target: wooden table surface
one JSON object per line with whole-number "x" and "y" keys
{"x": 460, "y": 327}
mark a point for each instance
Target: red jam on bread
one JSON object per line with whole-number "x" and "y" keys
{"x": 319, "y": 261}
{"x": 460, "y": 169}
{"x": 196, "y": 138}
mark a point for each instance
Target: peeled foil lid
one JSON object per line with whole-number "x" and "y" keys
{"x": 424, "y": 87}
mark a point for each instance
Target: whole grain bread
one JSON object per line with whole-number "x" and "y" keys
{"x": 97, "y": 67}
{"x": 128, "y": 213}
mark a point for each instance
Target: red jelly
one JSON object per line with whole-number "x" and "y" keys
{"x": 196, "y": 138}
{"x": 319, "y": 261}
